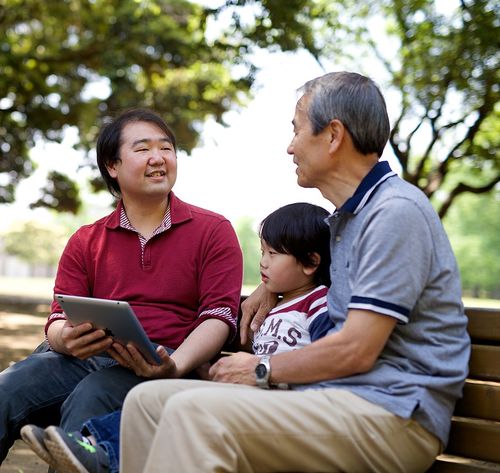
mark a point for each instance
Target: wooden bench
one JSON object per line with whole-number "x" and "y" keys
{"x": 474, "y": 444}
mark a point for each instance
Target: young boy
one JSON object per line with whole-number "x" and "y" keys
{"x": 294, "y": 264}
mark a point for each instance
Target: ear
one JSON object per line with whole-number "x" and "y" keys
{"x": 311, "y": 269}
{"x": 112, "y": 169}
{"x": 337, "y": 132}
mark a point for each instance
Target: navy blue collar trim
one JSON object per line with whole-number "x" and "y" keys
{"x": 378, "y": 174}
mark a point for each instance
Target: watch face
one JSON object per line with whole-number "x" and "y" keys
{"x": 261, "y": 371}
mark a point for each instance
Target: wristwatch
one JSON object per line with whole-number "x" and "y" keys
{"x": 263, "y": 372}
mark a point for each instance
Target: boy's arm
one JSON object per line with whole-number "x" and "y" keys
{"x": 201, "y": 346}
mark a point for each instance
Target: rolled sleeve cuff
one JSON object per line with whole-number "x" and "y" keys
{"x": 52, "y": 318}
{"x": 221, "y": 313}
{"x": 382, "y": 307}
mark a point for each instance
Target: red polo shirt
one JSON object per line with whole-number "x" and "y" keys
{"x": 182, "y": 276}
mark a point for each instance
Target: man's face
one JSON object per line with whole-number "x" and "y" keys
{"x": 148, "y": 164}
{"x": 310, "y": 152}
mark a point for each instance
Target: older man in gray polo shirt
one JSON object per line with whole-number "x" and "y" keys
{"x": 378, "y": 391}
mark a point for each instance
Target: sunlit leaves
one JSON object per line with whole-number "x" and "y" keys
{"x": 60, "y": 193}
{"x": 154, "y": 53}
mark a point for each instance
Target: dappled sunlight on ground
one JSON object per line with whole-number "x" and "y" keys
{"x": 22, "y": 460}
{"x": 19, "y": 335}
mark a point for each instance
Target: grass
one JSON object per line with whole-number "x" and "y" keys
{"x": 32, "y": 287}
{"x": 43, "y": 287}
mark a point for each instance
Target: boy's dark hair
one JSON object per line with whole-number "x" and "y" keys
{"x": 110, "y": 140}
{"x": 299, "y": 230}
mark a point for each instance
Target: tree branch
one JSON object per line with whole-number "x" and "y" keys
{"x": 483, "y": 112}
{"x": 461, "y": 188}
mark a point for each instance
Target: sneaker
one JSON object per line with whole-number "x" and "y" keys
{"x": 73, "y": 453}
{"x": 33, "y": 436}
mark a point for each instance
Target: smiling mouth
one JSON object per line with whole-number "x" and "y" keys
{"x": 156, "y": 174}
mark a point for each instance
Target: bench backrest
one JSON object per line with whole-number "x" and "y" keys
{"x": 475, "y": 432}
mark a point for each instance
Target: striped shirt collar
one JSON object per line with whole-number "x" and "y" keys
{"x": 165, "y": 224}
{"x": 378, "y": 174}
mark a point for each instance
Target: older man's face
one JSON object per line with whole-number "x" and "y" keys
{"x": 310, "y": 152}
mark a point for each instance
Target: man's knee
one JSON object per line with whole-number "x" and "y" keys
{"x": 197, "y": 402}
{"x": 135, "y": 397}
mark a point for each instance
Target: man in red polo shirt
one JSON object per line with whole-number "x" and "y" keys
{"x": 179, "y": 267}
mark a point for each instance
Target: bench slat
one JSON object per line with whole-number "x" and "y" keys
{"x": 484, "y": 362}
{"x": 484, "y": 323}
{"x": 453, "y": 464}
{"x": 475, "y": 438}
{"x": 481, "y": 399}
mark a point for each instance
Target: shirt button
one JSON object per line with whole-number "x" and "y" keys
{"x": 338, "y": 238}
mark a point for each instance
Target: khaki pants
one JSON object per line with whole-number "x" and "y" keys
{"x": 188, "y": 426}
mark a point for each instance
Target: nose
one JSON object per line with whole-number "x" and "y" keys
{"x": 289, "y": 149}
{"x": 263, "y": 263}
{"x": 156, "y": 157}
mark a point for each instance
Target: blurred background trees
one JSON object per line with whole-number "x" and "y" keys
{"x": 74, "y": 63}
{"x": 440, "y": 60}
{"x": 37, "y": 244}
{"x": 473, "y": 225}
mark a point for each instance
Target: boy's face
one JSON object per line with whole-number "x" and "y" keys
{"x": 283, "y": 274}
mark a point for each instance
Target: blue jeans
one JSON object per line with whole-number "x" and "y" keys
{"x": 106, "y": 430}
{"x": 51, "y": 388}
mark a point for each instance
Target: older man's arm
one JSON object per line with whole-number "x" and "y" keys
{"x": 352, "y": 350}
{"x": 254, "y": 310}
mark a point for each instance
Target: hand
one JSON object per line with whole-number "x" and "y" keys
{"x": 238, "y": 368}
{"x": 254, "y": 310}
{"x": 130, "y": 357}
{"x": 83, "y": 341}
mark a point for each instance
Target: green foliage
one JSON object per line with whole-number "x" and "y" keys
{"x": 154, "y": 53}
{"x": 60, "y": 192}
{"x": 448, "y": 79}
{"x": 441, "y": 60}
{"x": 150, "y": 54}
{"x": 250, "y": 245}
{"x": 473, "y": 224}
{"x": 34, "y": 242}
{"x": 189, "y": 62}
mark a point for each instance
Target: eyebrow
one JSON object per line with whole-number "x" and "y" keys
{"x": 149, "y": 140}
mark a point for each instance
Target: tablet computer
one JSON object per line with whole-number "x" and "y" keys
{"x": 116, "y": 318}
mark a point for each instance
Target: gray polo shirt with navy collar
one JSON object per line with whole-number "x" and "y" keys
{"x": 390, "y": 254}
